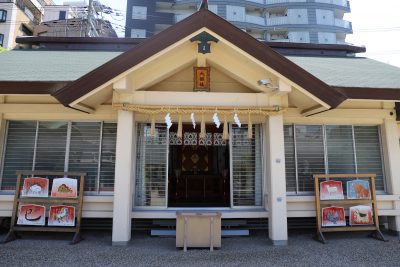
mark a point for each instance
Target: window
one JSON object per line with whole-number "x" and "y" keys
{"x": 139, "y": 12}
{"x": 1, "y": 39}
{"x": 151, "y": 166}
{"x": 246, "y": 167}
{"x": 63, "y": 15}
{"x": 312, "y": 149}
{"x": 3, "y": 15}
{"x": 61, "y": 146}
{"x": 138, "y": 33}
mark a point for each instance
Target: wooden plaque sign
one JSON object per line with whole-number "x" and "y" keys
{"x": 201, "y": 79}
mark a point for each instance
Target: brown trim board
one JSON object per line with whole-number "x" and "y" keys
{"x": 200, "y": 19}
{"x": 34, "y": 88}
{"x": 369, "y": 93}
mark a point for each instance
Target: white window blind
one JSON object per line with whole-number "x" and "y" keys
{"x": 61, "y": 146}
{"x": 310, "y": 154}
{"x": 51, "y": 146}
{"x": 84, "y": 151}
{"x": 342, "y": 149}
{"x": 290, "y": 159}
{"x": 369, "y": 153}
{"x": 246, "y": 167}
{"x": 19, "y": 150}
{"x": 151, "y": 166}
{"x": 107, "y": 167}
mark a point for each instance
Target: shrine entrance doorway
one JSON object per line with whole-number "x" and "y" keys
{"x": 198, "y": 168}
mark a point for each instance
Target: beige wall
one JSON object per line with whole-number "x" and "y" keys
{"x": 17, "y": 108}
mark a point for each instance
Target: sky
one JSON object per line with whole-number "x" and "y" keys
{"x": 376, "y": 27}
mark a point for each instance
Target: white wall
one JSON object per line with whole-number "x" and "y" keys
{"x": 235, "y": 13}
{"x": 326, "y": 38}
{"x": 7, "y": 28}
{"x": 298, "y": 16}
{"x": 299, "y": 37}
{"x": 53, "y": 12}
{"x": 325, "y": 17}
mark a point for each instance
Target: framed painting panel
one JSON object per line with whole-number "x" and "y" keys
{"x": 333, "y": 216}
{"x": 62, "y": 216}
{"x": 361, "y": 215}
{"x": 358, "y": 189}
{"x": 330, "y": 190}
{"x": 31, "y": 214}
{"x": 65, "y": 188}
{"x": 35, "y": 187}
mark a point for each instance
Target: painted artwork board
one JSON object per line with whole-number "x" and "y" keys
{"x": 61, "y": 216}
{"x": 331, "y": 190}
{"x": 64, "y": 188}
{"x": 358, "y": 189}
{"x": 361, "y": 215}
{"x": 35, "y": 187}
{"x": 333, "y": 216}
{"x": 31, "y": 214}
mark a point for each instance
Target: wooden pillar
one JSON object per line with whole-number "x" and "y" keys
{"x": 275, "y": 180}
{"x": 124, "y": 178}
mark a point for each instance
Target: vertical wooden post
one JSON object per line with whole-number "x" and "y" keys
{"x": 11, "y": 234}
{"x": 77, "y": 236}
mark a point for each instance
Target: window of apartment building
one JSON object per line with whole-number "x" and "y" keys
{"x": 3, "y": 15}
{"x": 318, "y": 149}
{"x": 138, "y": 33}
{"x": 1, "y": 39}
{"x": 62, "y": 15}
{"x": 139, "y": 12}
{"x": 61, "y": 146}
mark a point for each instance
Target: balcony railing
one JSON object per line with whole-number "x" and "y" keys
{"x": 281, "y": 40}
{"x": 271, "y": 2}
{"x": 257, "y": 1}
{"x": 343, "y": 3}
{"x": 255, "y": 20}
{"x": 277, "y": 21}
{"x": 343, "y": 23}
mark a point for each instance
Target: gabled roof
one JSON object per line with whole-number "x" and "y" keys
{"x": 199, "y": 20}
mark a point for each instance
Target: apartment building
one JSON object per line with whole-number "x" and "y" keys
{"x": 300, "y": 21}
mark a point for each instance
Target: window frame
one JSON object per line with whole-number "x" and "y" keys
{"x": 326, "y": 163}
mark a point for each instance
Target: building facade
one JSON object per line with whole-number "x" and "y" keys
{"x": 18, "y": 18}
{"x": 246, "y": 144}
{"x": 302, "y": 21}
{"x": 71, "y": 20}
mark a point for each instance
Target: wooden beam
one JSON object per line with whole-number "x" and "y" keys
{"x": 84, "y": 108}
{"x": 313, "y": 110}
{"x": 200, "y": 99}
{"x": 122, "y": 85}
